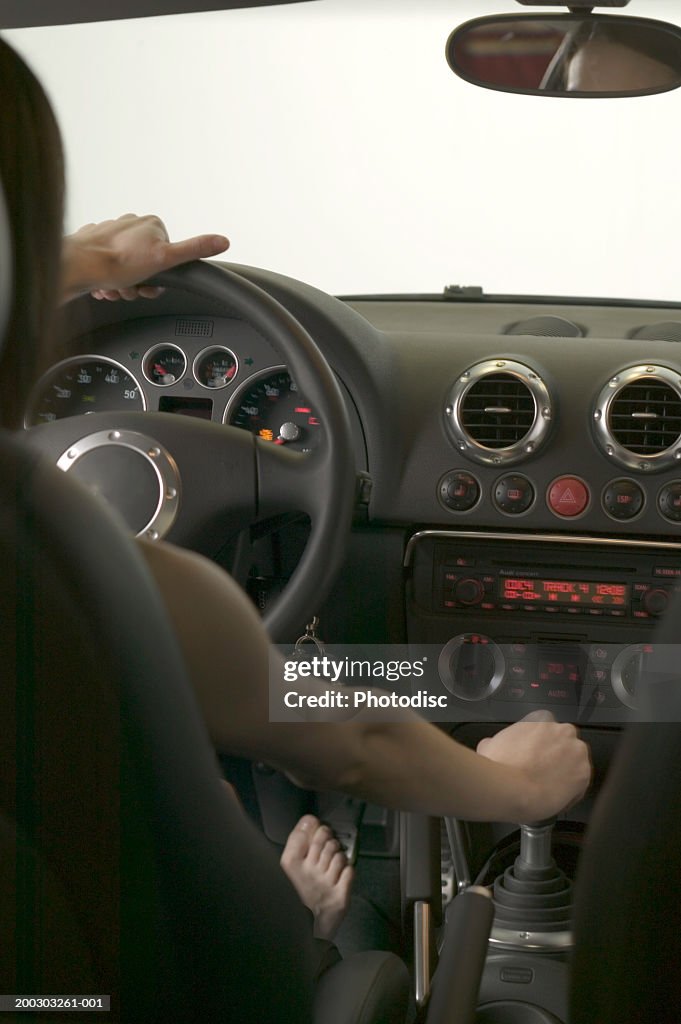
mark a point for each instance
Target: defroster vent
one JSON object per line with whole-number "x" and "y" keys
{"x": 498, "y": 412}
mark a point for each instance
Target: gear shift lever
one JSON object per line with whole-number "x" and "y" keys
{"x": 533, "y": 899}
{"x": 535, "y": 844}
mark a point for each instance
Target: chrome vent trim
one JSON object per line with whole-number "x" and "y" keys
{"x": 498, "y": 412}
{"x": 637, "y": 418}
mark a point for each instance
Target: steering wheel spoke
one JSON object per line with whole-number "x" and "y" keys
{"x": 289, "y": 481}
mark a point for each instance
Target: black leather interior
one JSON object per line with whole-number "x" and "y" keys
{"x": 110, "y": 793}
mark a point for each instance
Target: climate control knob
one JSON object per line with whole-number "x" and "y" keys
{"x": 629, "y": 673}
{"x": 471, "y": 666}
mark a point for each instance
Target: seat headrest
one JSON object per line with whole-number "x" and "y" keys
{"x": 5, "y": 267}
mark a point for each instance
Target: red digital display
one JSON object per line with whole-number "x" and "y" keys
{"x": 524, "y": 590}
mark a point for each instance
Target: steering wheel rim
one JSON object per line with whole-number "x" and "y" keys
{"x": 259, "y": 479}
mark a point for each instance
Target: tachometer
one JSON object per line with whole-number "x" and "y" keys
{"x": 84, "y": 384}
{"x": 271, "y": 407}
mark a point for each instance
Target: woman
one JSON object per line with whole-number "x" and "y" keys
{"x": 529, "y": 771}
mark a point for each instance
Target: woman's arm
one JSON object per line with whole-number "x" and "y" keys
{"x": 527, "y": 772}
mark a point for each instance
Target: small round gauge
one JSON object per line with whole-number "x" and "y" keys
{"x": 271, "y": 408}
{"x": 84, "y": 384}
{"x": 163, "y": 365}
{"x": 215, "y": 367}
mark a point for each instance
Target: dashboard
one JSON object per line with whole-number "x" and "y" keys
{"x": 521, "y": 463}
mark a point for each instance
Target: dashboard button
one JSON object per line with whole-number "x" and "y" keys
{"x": 567, "y": 496}
{"x": 623, "y": 499}
{"x": 459, "y": 491}
{"x": 669, "y": 501}
{"x": 513, "y": 691}
{"x": 598, "y": 676}
{"x": 469, "y": 591}
{"x": 603, "y": 654}
{"x": 513, "y": 494}
{"x": 655, "y": 601}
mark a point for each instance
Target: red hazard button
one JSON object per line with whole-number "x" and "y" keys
{"x": 567, "y": 496}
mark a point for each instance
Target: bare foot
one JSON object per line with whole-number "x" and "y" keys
{"x": 320, "y": 873}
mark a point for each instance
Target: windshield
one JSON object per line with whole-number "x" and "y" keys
{"x": 331, "y": 142}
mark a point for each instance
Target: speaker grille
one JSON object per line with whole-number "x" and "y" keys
{"x": 194, "y": 328}
{"x": 665, "y": 330}
{"x": 547, "y": 327}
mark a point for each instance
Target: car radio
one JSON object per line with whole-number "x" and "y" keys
{"x": 635, "y": 591}
{"x": 548, "y": 577}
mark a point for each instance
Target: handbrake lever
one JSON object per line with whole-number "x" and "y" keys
{"x": 456, "y": 982}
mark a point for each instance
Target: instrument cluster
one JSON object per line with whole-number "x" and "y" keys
{"x": 240, "y": 384}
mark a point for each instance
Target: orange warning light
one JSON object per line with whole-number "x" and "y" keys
{"x": 266, "y": 435}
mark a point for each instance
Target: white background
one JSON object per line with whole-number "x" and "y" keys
{"x": 331, "y": 142}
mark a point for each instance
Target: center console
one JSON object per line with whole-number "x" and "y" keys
{"x": 527, "y": 620}
{"x": 539, "y": 619}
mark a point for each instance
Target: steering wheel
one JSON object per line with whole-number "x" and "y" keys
{"x": 195, "y": 482}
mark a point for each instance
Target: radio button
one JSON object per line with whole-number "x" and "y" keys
{"x": 623, "y": 499}
{"x": 468, "y": 591}
{"x": 655, "y": 601}
{"x": 567, "y": 497}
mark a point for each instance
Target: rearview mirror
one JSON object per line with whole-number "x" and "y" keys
{"x": 568, "y": 55}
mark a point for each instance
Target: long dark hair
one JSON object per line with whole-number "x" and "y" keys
{"x": 32, "y": 174}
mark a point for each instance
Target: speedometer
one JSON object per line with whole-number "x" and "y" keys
{"x": 271, "y": 407}
{"x": 84, "y": 384}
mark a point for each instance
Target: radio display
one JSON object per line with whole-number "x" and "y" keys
{"x": 591, "y": 593}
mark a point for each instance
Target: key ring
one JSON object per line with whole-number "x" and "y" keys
{"x": 309, "y": 637}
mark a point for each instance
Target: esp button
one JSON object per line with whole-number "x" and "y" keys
{"x": 623, "y": 499}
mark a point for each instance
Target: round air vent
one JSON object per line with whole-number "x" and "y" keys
{"x": 498, "y": 412}
{"x": 664, "y": 330}
{"x": 637, "y": 418}
{"x": 547, "y": 327}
